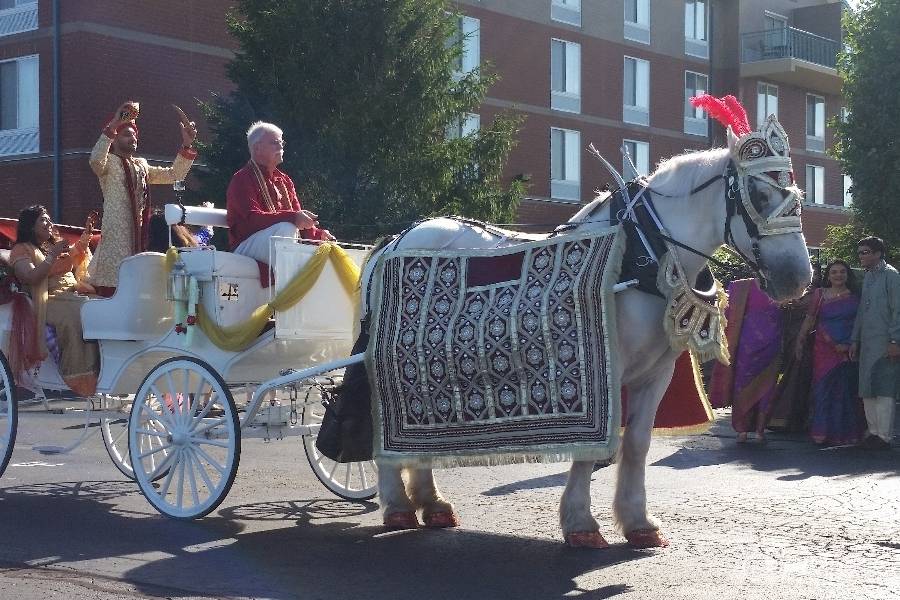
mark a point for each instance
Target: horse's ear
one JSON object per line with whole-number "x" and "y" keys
{"x": 732, "y": 138}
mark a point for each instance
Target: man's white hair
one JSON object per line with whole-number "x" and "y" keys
{"x": 258, "y": 130}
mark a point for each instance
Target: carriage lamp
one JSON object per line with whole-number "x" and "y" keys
{"x": 178, "y": 282}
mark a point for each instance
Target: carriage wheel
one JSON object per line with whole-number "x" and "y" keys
{"x": 114, "y": 431}
{"x": 193, "y": 446}
{"x": 9, "y": 413}
{"x": 350, "y": 481}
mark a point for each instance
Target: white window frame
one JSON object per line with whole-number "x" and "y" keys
{"x": 693, "y": 45}
{"x": 567, "y": 99}
{"x": 815, "y": 141}
{"x": 470, "y": 36}
{"x": 566, "y": 11}
{"x": 763, "y": 111}
{"x": 463, "y": 126}
{"x": 638, "y": 30}
{"x": 848, "y": 195}
{"x": 21, "y": 17}
{"x": 695, "y": 122}
{"x": 640, "y": 156}
{"x": 815, "y": 184}
{"x": 25, "y": 137}
{"x": 567, "y": 188}
{"x": 639, "y": 112}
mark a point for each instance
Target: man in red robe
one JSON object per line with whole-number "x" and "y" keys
{"x": 262, "y": 200}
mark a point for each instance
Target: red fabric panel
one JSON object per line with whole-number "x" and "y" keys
{"x": 487, "y": 270}
{"x": 681, "y": 406}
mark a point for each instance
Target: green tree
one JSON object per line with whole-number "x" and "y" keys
{"x": 366, "y": 92}
{"x": 867, "y": 140}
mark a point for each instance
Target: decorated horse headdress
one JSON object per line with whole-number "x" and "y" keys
{"x": 763, "y": 155}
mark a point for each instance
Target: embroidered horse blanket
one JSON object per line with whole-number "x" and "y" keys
{"x": 495, "y": 356}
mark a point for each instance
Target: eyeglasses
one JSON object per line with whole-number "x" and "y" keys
{"x": 863, "y": 252}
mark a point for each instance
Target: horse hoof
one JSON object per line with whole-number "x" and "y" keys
{"x": 401, "y": 520}
{"x": 646, "y": 538}
{"x": 441, "y": 519}
{"x": 586, "y": 539}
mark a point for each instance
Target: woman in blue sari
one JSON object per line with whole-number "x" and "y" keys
{"x": 837, "y": 415}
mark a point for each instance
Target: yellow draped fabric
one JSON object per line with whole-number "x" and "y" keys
{"x": 237, "y": 337}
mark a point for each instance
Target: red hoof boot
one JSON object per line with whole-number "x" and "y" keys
{"x": 646, "y": 538}
{"x": 441, "y": 519}
{"x": 401, "y": 520}
{"x": 586, "y": 539}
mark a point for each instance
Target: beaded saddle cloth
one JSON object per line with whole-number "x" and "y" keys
{"x": 496, "y": 356}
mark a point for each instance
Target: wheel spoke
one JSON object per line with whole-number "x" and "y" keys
{"x": 152, "y": 451}
{"x": 164, "y": 490}
{"x": 220, "y": 468}
{"x": 203, "y": 473}
{"x": 154, "y": 417}
{"x": 207, "y": 426}
{"x": 362, "y": 476}
{"x": 179, "y": 490}
{"x": 192, "y": 479}
{"x": 168, "y": 458}
{"x": 147, "y": 432}
{"x": 209, "y": 442}
{"x": 164, "y": 410}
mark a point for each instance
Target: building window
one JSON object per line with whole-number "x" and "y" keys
{"x": 17, "y": 16}
{"x": 636, "y": 92}
{"x": 565, "y": 164}
{"x": 848, "y": 191}
{"x": 566, "y": 11}
{"x": 694, "y": 118}
{"x": 766, "y": 102}
{"x": 19, "y": 106}
{"x": 815, "y": 184}
{"x": 466, "y": 125}
{"x": 565, "y": 76}
{"x": 815, "y": 123}
{"x": 639, "y": 153}
{"x": 695, "y": 15}
{"x": 845, "y": 114}
{"x": 637, "y": 21}
{"x": 468, "y": 38}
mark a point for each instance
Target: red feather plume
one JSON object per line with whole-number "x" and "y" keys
{"x": 728, "y": 111}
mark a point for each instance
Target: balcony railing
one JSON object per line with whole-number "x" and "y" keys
{"x": 789, "y": 43}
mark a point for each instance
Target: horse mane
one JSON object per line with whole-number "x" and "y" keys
{"x": 678, "y": 175}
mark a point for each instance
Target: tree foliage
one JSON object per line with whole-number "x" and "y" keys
{"x": 867, "y": 141}
{"x": 365, "y": 91}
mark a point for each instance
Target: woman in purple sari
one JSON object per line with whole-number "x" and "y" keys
{"x": 837, "y": 415}
{"x": 754, "y": 341}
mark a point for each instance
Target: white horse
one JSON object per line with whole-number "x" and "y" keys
{"x": 696, "y": 217}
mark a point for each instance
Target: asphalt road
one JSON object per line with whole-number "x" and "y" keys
{"x": 782, "y": 521}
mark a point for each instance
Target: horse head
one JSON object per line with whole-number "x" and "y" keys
{"x": 763, "y": 210}
{"x": 762, "y": 200}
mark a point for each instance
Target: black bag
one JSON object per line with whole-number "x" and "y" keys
{"x": 345, "y": 435}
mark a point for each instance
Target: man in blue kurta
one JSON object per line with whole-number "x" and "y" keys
{"x": 876, "y": 342}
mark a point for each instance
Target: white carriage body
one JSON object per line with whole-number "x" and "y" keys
{"x": 135, "y": 327}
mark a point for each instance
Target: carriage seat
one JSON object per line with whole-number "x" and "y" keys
{"x": 139, "y": 309}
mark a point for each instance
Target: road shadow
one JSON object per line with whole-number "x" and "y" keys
{"x": 328, "y": 557}
{"x": 298, "y": 548}
{"x": 798, "y": 457}
{"x": 536, "y": 483}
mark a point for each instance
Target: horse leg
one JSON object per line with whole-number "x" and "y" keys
{"x": 630, "y": 504}
{"x": 579, "y": 527}
{"x": 398, "y": 511}
{"x": 436, "y": 511}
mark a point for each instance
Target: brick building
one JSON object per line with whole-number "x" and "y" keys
{"x": 614, "y": 72}
{"x": 52, "y": 111}
{"x": 582, "y": 71}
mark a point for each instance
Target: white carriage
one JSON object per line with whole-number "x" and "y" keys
{"x": 180, "y": 403}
